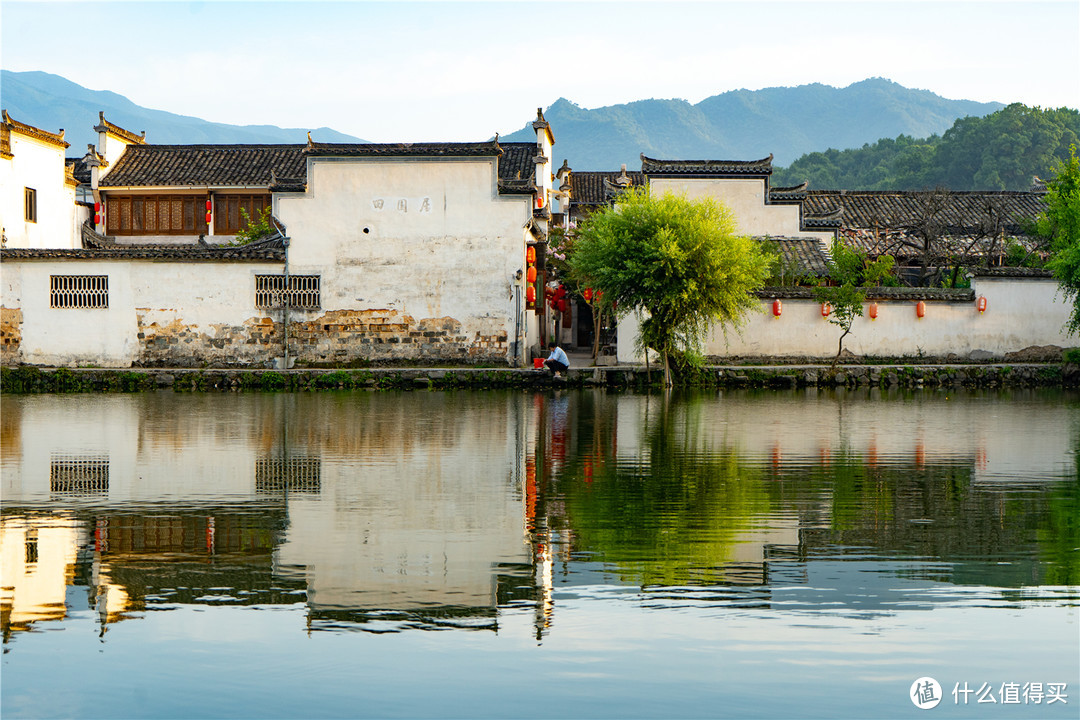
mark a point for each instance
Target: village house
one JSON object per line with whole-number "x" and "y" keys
{"x": 379, "y": 252}
{"x": 932, "y": 234}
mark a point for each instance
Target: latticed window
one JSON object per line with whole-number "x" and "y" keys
{"x": 30, "y": 201}
{"x": 156, "y": 215}
{"x": 228, "y": 219}
{"x": 79, "y": 291}
{"x": 303, "y": 291}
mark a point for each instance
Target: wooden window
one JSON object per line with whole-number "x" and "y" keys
{"x": 304, "y": 292}
{"x": 74, "y": 292}
{"x": 156, "y": 215}
{"x": 228, "y": 219}
{"x": 30, "y": 198}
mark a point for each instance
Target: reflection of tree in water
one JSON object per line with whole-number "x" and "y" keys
{"x": 683, "y": 512}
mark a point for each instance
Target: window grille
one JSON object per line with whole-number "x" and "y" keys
{"x": 78, "y": 476}
{"x": 301, "y": 474}
{"x": 79, "y": 291}
{"x": 30, "y": 197}
{"x": 303, "y": 291}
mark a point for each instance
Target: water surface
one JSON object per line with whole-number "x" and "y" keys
{"x": 585, "y": 554}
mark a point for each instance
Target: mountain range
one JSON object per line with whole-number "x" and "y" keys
{"x": 51, "y": 102}
{"x": 787, "y": 122}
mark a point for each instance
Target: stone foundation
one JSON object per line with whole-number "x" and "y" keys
{"x": 337, "y": 337}
{"x": 10, "y": 335}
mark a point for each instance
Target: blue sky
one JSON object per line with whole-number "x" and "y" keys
{"x": 412, "y": 71}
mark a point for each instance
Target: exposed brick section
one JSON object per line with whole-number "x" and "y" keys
{"x": 10, "y": 334}
{"x": 337, "y": 336}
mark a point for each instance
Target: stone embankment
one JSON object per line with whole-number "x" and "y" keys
{"x": 28, "y": 379}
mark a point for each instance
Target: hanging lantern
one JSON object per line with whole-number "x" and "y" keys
{"x": 562, "y": 305}
{"x": 826, "y": 309}
{"x": 97, "y": 207}
{"x": 208, "y": 206}
{"x": 873, "y": 311}
{"x": 530, "y": 294}
{"x": 587, "y": 294}
{"x": 539, "y": 201}
{"x": 981, "y": 304}
{"x": 530, "y": 254}
{"x": 208, "y": 211}
{"x": 777, "y": 308}
{"x": 920, "y": 309}
{"x": 561, "y": 292}
{"x": 97, "y": 213}
{"x": 530, "y": 274}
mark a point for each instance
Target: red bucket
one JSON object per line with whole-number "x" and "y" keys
{"x": 538, "y": 363}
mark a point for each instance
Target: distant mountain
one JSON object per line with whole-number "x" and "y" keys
{"x": 51, "y": 102}
{"x": 749, "y": 124}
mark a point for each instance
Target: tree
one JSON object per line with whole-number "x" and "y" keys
{"x": 1060, "y": 223}
{"x": 677, "y": 262}
{"x": 851, "y": 270}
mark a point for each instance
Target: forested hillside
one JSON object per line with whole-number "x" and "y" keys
{"x": 1001, "y": 151}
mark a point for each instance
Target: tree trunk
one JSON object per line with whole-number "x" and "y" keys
{"x": 839, "y": 349}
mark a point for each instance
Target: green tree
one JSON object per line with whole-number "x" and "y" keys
{"x": 677, "y": 262}
{"x": 851, "y": 270}
{"x": 1060, "y": 224}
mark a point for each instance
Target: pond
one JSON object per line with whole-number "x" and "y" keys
{"x": 562, "y": 554}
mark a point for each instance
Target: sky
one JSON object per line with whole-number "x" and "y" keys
{"x": 416, "y": 71}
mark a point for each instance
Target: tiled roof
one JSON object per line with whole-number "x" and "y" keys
{"x": 10, "y": 125}
{"x": 516, "y": 161}
{"x": 480, "y": 149}
{"x": 202, "y": 165}
{"x": 593, "y": 188}
{"x": 707, "y": 168}
{"x": 79, "y": 168}
{"x": 1012, "y": 272}
{"x": 806, "y": 256}
{"x": 106, "y": 126}
{"x": 876, "y": 293}
{"x": 261, "y": 251}
{"x": 895, "y": 209}
{"x": 793, "y": 194}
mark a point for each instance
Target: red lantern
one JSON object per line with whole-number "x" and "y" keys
{"x": 530, "y": 275}
{"x": 562, "y": 305}
{"x": 826, "y": 308}
{"x": 587, "y": 294}
{"x": 560, "y": 292}
{"x": 97, "y": 213}
{"x": 777, "y": 308}
{"x": 208, "y": 206}
{"x": 981, "y": 304}
{"x": 530, "y": 294}
{"x": 530, "y": 254}
{"x": 920, "y": 309}
{"x": 539, "y": 201}
{"x": 97, "y": 207}
{"x": 873, "y": 311}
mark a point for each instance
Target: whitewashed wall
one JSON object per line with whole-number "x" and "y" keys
{"x": 1021, "y": 313}
{"x": 429, "y": 239}
{"x": 208, "y": 297}
{"x": 746, "y": 200}
{"x": 38, "y": 165}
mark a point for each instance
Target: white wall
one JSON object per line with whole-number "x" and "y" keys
{"x": 439, "y": 241}
{"x": 746, "y": 199}
{"x": 1021, "y": 312}
{"x": 38, "y": 165}
{"x": 208, "y": 297}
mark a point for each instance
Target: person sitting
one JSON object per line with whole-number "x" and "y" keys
{"x": 557, "y": 361}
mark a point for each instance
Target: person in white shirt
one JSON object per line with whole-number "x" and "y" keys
{"x": 557, "y": 361}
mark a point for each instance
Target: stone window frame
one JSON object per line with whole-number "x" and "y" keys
{"x": 305, "y": 292}
{"x": 79, "y": 292}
